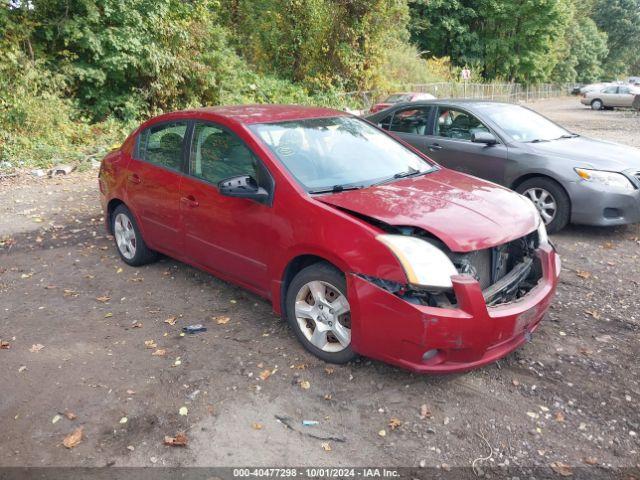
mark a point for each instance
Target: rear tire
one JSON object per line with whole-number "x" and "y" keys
{"x": 318, "y": 312}
{"x": 535, "y": 189}
{"x": 597, "y": 104}
{"x": 129, "y": 242}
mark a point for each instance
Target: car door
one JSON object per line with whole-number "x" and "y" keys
{"x": 153, "y": 184}
{"x": 410, "y": 124}
{"x": 625, "y": 97}
{"x": 225, "y": 234}
{"x": 609, "y": 96}
{"x": 449, "y": 143}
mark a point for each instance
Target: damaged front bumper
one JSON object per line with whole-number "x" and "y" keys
{"x": 445, "y": 340}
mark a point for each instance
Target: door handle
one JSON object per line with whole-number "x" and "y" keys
{"x": 190, "y": 201}
{"x": 135, "y": 178}
{"x": 435, "y": 146}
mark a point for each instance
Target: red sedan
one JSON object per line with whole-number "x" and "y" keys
{"x": 362, "y": 243}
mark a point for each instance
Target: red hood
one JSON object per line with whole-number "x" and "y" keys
{"x": 464, "y": 212}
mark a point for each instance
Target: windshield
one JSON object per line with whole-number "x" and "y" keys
{"x": 338, "y": 152}
{"x": 522, "y": 124}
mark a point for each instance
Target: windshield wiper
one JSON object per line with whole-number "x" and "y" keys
{"x": 568, "y": 135}
{"x": 538, "y": 140}
{"x": 336, "y": 189}
{"x": 411, "y": 172}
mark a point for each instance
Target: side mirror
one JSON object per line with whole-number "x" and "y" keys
{"x": 484, "y": 137}
{"x": 243, "y": 186}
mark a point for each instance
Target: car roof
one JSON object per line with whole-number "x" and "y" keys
{"x": 461, "y": 102}
{"x": 250, "y": 114}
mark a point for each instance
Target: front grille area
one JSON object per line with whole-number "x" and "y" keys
{"x": 506, "y": 272}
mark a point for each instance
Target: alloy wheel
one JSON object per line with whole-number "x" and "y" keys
{"x": 125, "y": 236}
{"x": 323, "y": 315}
{"x": 544, "y": 202}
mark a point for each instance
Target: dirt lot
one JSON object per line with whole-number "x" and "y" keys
{"x": 570, "y": 396}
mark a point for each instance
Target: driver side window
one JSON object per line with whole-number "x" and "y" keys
{"x": 457, "y": 125}
{"x": 217, "y": 154}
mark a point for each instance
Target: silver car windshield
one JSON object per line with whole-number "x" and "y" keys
{"x": 336, "y": 153}
{"x": 522, "y": 124}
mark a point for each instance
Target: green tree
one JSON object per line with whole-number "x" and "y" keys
{"x": 510, "y": 39}
{"x": 584, "y": 49}
{"x": 620, "y": 19}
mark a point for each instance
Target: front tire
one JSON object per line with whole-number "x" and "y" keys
{"x": 597, "y": 104}
{"x": 318, "y": 311}
{"x": 550, "y": 199}
{"x": 129, "y": 242}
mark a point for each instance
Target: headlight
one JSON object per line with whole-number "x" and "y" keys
{"x": 423, "y": 263}
{"x": 607, "y": 179}
{"x": 543, "y": 237}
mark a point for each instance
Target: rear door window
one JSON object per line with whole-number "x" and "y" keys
{"x": 411, "y": 120}
{"x": 162, "y": 144}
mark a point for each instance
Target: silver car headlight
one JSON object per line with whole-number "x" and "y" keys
{"x": 610, "y": 180}
{"x": 424, "y": 264}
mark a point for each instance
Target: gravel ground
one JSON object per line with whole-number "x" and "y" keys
{"x": 76, "y": 320}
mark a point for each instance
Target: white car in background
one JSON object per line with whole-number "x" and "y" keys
{"x": 611, "y": 96}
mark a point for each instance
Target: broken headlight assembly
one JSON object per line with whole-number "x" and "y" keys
{"x": 424, "y": 264}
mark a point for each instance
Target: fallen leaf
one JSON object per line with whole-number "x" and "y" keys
{"x": 265, "y": 374}
{"x": 257, "y": 426}
{"x": 591, "y": 461}
{"x": 108, "y": 315}
{"x": 180, "y": 440}
{"x": 73, "y": 439}
{"x": 559, "y": 417}
{"x": 394, "y": 423}
{"x": 425, "y": 412}
{"x": 305, "y": 385}
{"x": 56, "y": 418}
{"x": 184, "y": 411}
{"x": 123, "y": 420}
{"x": 325, "y": 446}
{"x": 171, "y": 320}
{"x": 161, "y": 352}
{"x": 103, "y": 299}
{"x": 119, "y": 270}
{"x": 329, "y": 370}
{"x": 583, "y": 274}
{"x": 70, "y": 415}
{"x": 607, "y": 245}
{"x": 136, "y": 325}
{"x": 382, "y": 433}
{"x": 22, "y": 368}
{"x": 36, "y": 347}
{"x": 131, "y": 392}
{"x": 70, "y": 293}
{"x": 593, "y": 313}
{"x": 4, "y": 345}
{"x": 150, "y": 344}
{"x": 221, "y": 320}
{"x": 515, "y": 382}
{"x": 562, "y": 469}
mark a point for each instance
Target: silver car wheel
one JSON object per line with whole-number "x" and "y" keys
{"x": 544, "y": 202}
{"x": 596, "y": 105}
{"x": 323, "y": 315}
{"x": 125, "y": 236}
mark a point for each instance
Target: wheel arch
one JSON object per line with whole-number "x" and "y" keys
{"x": 520, "y": 180}
{"x": 294, "y": 266}
{"x": 111, "y": 207}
